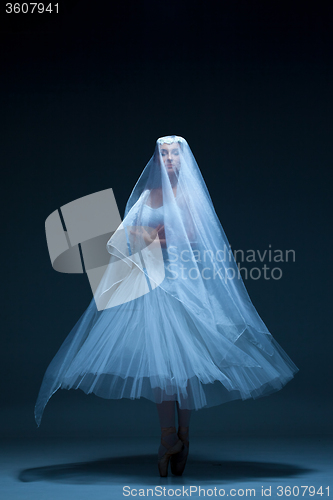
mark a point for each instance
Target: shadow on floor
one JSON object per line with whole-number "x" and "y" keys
{"x": 143, "y": 469}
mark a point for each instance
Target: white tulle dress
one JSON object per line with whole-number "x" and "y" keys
{"x": 190, "y": 333}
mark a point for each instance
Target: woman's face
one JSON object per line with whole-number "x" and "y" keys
{"x": 171, "y": 156}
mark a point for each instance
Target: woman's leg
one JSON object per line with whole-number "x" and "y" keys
{"x": 178, "y": 461}
{"x": 170, "y": 442}
{"x": 183, "y": 416}
{"x": 183, "y": 423}
{"x": 166, "y": 413}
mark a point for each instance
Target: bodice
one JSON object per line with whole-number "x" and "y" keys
{"x": 152, "y": 217}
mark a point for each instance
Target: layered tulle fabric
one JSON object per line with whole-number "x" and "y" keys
{"x": 171, "y": 318}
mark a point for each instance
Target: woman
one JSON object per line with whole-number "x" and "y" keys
{"x": 173, "y": 322}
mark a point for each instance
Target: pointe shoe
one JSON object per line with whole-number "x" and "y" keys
{"x": 163, "y": 461}
{"x": 178, "y": 461}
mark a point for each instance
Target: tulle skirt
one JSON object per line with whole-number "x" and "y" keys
{"x": 157, "y": 348}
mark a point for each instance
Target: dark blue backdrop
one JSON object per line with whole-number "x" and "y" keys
{"x": 84, "y": 96}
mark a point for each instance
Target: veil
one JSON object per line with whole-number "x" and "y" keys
{"x": 171, "y": 318}
{"x": 200, "y": 269}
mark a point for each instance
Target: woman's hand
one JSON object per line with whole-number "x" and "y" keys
{"x": 150, "y": 236}
{"x": 161, "y": 234}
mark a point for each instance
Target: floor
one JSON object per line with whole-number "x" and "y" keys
{"x": 98, "y": 469}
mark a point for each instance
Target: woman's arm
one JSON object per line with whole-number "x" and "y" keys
{"x": 144, "y": 236}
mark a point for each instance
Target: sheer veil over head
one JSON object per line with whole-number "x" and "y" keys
{"x": 170, "y": 216}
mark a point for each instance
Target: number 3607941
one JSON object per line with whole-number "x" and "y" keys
{"x": 31, "y": 8}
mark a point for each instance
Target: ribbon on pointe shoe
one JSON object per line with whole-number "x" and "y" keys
{"x": 163, "y": 461}
{"x": 178, "y": 461}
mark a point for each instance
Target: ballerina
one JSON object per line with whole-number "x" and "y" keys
{"x": 175, "y": 323}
